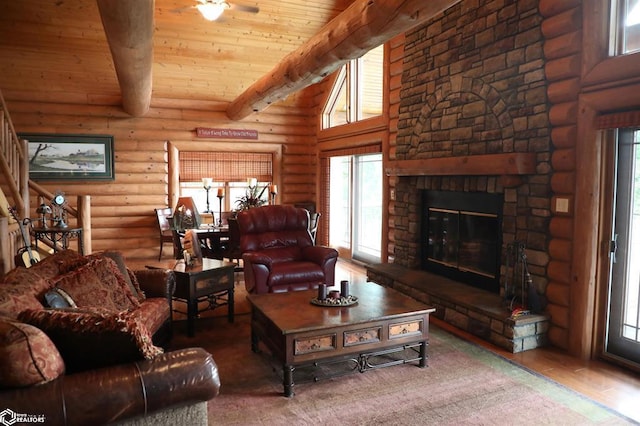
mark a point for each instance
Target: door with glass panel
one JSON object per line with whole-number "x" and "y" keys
{"x": 623, "y": 323}
{"x": 356, "y": 206}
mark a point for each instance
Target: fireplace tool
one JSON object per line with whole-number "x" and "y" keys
{"x": 518, "y": 276}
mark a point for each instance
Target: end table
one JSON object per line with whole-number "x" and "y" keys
{"x": 208, "y": 280}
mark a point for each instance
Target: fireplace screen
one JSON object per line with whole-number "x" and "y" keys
{"x": 463, "y": 241}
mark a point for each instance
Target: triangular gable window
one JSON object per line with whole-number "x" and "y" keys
{"x": 357, "y": 92}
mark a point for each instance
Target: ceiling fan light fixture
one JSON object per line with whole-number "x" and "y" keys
{"x": 211, "y": 10}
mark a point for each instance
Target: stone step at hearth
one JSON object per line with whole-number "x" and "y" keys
{"x": 481, "y": 313}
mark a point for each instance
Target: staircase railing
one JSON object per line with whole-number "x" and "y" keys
{"x": 14, "y": 169}
{"x": 14, "y": 162}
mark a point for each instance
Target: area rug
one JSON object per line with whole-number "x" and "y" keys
{"x": 464, "y": 384}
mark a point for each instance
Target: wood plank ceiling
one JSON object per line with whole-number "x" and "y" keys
{"x": 57, "y": 49}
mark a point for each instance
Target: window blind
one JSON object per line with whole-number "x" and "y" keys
{"x": 367, "y": 149}
{"x": 225, "y": 166}
{"x": 618, "y": 120}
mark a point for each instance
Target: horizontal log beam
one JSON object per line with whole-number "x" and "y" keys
{"x": 517, "y": 163}
{"x": 128, "y": 25}
{"x": 364, "y": 25}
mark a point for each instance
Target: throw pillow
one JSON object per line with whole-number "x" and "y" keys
{"x": 49, "y": 267}
{"x": 27, "y": 356}
{"x": 93, "y": 337}
{"x": 116, "y": 256}
{"x": 15, "y": 299}
{"x": 27, "y": 277}
{"x": 98, "y": 284}
{"x": 129, "y": 277}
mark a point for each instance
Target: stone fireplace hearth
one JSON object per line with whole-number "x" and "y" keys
{"x": 476, "y": 311}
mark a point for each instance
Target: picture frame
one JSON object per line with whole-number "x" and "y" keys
{"x": 70, "y": 157}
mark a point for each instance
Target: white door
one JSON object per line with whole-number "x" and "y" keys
{"x": 356, "y": 206}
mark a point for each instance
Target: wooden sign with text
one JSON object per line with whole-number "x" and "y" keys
{"x": 206, "y": 132}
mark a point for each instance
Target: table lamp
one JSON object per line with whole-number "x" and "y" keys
{"x": 186, "y": 214}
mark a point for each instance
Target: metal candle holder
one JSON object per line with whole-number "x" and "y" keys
{"x": 207, "y": 188}
{"x": 220, "y": 197}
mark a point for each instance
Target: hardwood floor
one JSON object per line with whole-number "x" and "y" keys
{"x": 608, "y": 384}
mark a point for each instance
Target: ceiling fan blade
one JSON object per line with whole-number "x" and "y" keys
{"x": 244, "y": 8}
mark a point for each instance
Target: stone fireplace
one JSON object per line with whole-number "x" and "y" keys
{"x": 473, "y": 119}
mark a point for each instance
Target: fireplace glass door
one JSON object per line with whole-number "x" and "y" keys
{"x": 462, "y": 237}
{"x": 463, "y": 240}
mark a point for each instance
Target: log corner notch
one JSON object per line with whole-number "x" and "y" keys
{"x": 364, "y": 25}
{"x": 128, "y": 25}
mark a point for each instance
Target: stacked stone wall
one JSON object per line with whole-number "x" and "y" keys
{"x": 473, "y": 83}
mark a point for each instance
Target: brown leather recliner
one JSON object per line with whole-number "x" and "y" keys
{"x": 278, "y": 252}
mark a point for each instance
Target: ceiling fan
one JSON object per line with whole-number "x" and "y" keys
{"x": 213, "y": 9}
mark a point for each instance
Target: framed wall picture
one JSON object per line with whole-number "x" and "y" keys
{"x": 70, "y": 157}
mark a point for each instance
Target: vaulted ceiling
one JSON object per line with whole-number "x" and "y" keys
{"x": 57, "y": 49}
{"x": 59, "y": 46}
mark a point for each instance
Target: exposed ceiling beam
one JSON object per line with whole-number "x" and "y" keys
{"x": 361, "y": 27}
{"x": 128, "y": 25}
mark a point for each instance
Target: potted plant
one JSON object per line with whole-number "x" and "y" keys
{"x": 251, "y": 198}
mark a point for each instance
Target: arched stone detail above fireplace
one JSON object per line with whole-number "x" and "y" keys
{"x": 465, "y": 116}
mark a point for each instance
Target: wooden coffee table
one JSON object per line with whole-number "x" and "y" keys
{"x": 299, "y": 333}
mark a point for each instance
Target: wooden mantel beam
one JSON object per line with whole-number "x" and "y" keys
{"x": 511, "y": 163}
{"x": 361, "y": 27}
{"x": 128, "y": 25}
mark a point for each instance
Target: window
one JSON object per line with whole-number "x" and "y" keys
{"x": 625, "y": 26}
{"x": 228, "y": 171}
{"x": 357, "y": 92}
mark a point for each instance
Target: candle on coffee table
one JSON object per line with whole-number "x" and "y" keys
{"x": 322, "y": 291}
{"x": 344, "y": 288}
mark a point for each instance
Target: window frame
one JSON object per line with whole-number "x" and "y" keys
{"x": 599, "y": 69}
{"x": 351, "y": 75}
{"x": 618, "y": 13}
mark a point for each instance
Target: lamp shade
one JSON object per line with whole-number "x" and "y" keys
{"x": 185, "y": 215}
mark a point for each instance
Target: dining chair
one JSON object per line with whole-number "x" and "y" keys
{"x": 314, "y": 219}
{"x": 231, "y": 248}
{"x": 164, "y": 226}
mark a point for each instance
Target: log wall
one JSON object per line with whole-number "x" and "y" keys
{"x": 562, "y": 29}
{"x": 123, "y": 210}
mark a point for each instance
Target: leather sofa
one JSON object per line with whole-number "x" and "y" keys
{"x": 278, "y": 252}
{"x": 89, "y": 363}
{"x": 166, "y": 387}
